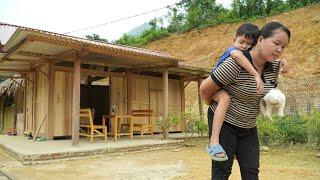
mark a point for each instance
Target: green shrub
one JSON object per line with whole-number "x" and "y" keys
{"x": 267, "y": 130}
{"x": 201, "y": 127}
{"x": 315, "y": 125}
{"x": 294, "y": 128}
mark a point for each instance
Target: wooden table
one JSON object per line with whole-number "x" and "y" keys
{"x": 116, "y": 125}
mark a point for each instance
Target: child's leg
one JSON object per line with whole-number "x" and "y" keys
{"x": 223, "y": 99}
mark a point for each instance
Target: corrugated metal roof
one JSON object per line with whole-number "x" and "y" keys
{"x": 6, "y": 33}
{"x": 7, "y": 30}
{"x": 33, "y": 46}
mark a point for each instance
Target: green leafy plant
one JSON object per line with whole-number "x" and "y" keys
{"x": 173, "y": 120}
{"x": 194, "y": 124}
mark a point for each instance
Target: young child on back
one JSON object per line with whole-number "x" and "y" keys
{"x": 246, "y": 36}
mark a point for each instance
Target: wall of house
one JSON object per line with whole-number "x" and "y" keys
{"x": 41, "y": 99}
{"x": 146, "y": 93}
{"x": 29, "y": 102}
{"x": 63, "y": 104}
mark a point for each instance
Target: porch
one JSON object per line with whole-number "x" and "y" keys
{"x": 30, "y": 152}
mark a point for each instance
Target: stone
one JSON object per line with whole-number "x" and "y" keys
{"x": 264, "y": 148}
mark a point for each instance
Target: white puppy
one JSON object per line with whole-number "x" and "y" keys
{"x": 273, "y": 100}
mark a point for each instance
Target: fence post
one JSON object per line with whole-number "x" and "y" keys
{"x": 309, "y": 122}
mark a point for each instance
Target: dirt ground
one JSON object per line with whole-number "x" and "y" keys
{"x": 185, "y": 163}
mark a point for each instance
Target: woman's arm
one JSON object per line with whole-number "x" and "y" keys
{"x": 207, "y": 88}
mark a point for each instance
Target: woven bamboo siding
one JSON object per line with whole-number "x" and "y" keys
{"x": 29, "y": 102}
{"x": 63, "y": 105}
{"x": 41, "y": 103}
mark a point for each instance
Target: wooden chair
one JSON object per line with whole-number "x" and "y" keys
{"x": 138, "y": 126}
{"x": 88, "y": 129}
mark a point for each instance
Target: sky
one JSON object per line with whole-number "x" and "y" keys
{"x": 63, "y": 16}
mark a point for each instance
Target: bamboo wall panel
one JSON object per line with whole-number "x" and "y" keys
{"x": 41, "y": 103}
{"x": 29, "y": 102}
{"x": 62, "y": 103}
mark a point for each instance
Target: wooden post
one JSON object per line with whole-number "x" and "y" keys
{"x": 165, "y": 91}
{"x": 183, "y": 105}
{"x": 199, "y": 100}
{"x": 51, "y": 105}
{"x": 76, "y": 101}
{"x": 34, "y": 103}
{"x": 129, "y": 92}
{"x": 25, "y": 78}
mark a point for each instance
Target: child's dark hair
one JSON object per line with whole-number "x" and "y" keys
{"x": 269, "y": 28}
{"x": 249, "y": 30}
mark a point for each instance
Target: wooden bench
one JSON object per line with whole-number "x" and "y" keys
{"x": 88, "y": 129}
{"x": 143, "y": 128}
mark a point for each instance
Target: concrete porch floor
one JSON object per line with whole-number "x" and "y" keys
{"x": 30, "y": 152}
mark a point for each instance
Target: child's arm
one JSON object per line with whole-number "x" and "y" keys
{"x": 284, "y": 66}
{"x": 243, "y": 62}
{"x": 207, "y": 88}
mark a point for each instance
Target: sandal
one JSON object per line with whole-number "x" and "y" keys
{"x": 216, "y": 149}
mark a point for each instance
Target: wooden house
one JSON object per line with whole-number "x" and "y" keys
{"x": 63, "y": 73}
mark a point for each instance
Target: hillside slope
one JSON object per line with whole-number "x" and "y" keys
{"x": 203, "y": 47}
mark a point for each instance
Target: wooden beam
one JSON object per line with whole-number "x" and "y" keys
{"x": 76, "y": 102}
{"x": 24, "y": 111}
{"x": 15, "y": 48}
{"x": 199, "y": 100}
{"x": 51, "y": 106}
{"x": 187, "y": 84}
{"x": 109, "y": 61}
{"x": 183, "y": 105}
{"x": 165, "y": 87}
{"x": 194, "y": 78}
{"x": 91, "y": 72}
{"x": 44, "y": 73}
{"x": 129, "y": 91}
{"x": 30, "y": 61}
{"x": 15, "y": 70}
{"x": 34, "y": 94}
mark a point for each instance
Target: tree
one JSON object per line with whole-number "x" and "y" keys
{"x": 96, "y": 37}
{"x": 202, "y": 13}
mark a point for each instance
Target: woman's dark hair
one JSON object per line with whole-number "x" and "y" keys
{"x": 269, "y": 29}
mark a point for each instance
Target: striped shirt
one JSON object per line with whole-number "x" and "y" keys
{"x": 242, "y": 88}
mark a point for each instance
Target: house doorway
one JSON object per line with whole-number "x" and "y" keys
{"x": 95, "y": 96}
